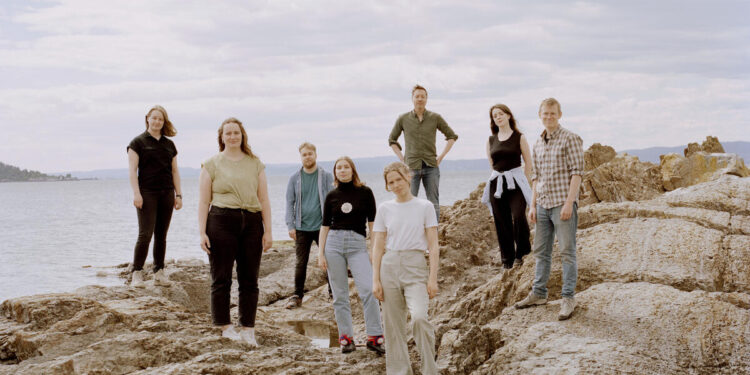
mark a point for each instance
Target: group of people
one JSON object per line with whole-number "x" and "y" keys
{"x": 338, "y": 212}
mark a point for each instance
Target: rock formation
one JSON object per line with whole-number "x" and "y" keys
{"x": 663, "y": 287}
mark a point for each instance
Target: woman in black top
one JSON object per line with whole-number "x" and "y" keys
{"x": 348, "y": 211}
{"x": 505, "y": 148}
{"x": 155, "y": 180}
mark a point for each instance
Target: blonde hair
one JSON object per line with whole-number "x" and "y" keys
{"x": 399, "y": 168}
{"x": 418, "y": 87}
{"x": 307, "y": 145}
{"x": 548, "y": 103}
{"x": 244, "y": 146}
{"x": 167, "y": 129}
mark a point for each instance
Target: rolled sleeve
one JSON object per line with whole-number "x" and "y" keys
{"x": 445, "y": 129}
{"x": 574, "y": 155}
{"x": 398, "y": 128}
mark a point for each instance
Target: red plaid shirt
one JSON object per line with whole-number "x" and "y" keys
{"x": 555, "y": 161}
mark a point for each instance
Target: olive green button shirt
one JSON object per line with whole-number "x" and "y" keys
{"x": 419, "y": 137}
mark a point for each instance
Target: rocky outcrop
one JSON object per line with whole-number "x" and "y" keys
{"x": 663, "y": 287}
{"x": 678, "y": 171}
{"x": 623, "y": 178}
{"x": 597, "y": 155}
{"x": 710, "y": 146}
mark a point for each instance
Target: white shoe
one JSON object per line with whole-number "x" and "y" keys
{"x": 566, "y": 308}
{"x": 248, "y": 336}
{"x": 161, "y": 279}
{"x": 231, "y": 333}
{"x": 530, "y": 300}
{"x": 137, "y": 281}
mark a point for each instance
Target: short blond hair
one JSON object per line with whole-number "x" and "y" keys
{"x": 548, "y": 103}
{"x": 399, "y": 168}
{"x": 307, "y": 145}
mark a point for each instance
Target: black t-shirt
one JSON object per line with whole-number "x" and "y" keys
{"x": 154, "y": 161}
{"x": 349, "y": 207}
{"x": 506, "y": 154}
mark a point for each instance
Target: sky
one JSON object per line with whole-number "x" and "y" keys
{"x": 78, "y": 76}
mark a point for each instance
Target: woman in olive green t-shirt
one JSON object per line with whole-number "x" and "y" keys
{"x": 237, "y": 228}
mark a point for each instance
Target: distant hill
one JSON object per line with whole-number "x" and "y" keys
{"x": 364, "y": 165}
{"x": 10, "y": 173}
{"x": 651, "y": 154}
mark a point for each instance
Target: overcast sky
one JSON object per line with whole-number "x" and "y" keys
{"x": 77, "y": 76}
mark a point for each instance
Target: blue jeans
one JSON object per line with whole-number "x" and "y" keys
{"x": 430, "y": 177}
{"x": 549, "y": 224}
{"x": 347, "y": 247}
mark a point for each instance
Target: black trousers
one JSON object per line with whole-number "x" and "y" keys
{"x": 303, "y": 243}
{"x": 509, "y": 212}
{"x": 236, "y": 236}
{"x": 153, "y": 220}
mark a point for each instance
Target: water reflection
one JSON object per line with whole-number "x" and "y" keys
{"x": 322, "y": 334}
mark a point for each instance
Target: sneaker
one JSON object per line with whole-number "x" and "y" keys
{"x": 507, "y": 266}
{"x": 518, "y": 263}
{"x": 566, "y": 308}
{"x": 294, "y": 302}
{"x": 347, "y": 344}
{"x": 530, "y": 300}
{"x": 161, "y": 279}
{"x": 248, "y": 336}
{"x": 137, "y": 280}
{"x": 231, "y": 334}
{"x": 376, "y": 344}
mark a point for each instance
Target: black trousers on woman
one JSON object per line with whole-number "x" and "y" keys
{"x": 153, "y": 220}
{"x": 509, "y": 212}
{"x": 236, "y": 235}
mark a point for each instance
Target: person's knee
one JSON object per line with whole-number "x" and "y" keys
{"x": 420, "y": 320}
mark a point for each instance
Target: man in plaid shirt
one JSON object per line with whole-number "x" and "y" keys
{"x": 556, "y": 178}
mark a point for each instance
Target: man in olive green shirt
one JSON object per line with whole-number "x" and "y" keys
{"x": 420, "y": 127}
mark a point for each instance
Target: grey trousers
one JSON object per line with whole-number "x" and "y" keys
{"x": 403, "y": 275}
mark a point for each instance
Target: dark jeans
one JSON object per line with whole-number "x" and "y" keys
{"x": 303, "y": 243}
{"x": 153, "y": 220}
{"x": 509, "y": 212}
{"x": 430, "y": 177}
{"x": 235, "y": 235}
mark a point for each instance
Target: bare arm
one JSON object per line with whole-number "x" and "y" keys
{"x": 489, "y": 157}
{"x": 526, "y": 155}
{"x": 448, "y": 146}
{"x": 204, "y": 200}
{"x": 133, "y": 177}
{"x": 575, "y": 184}
{"x": 265, "y": 205}
{"x": 378, "y": 249}
{"x": 397, "y": 150}
{"x": 532, "y": 207}
{"x": 432, "y": 245}
{"x": 322, "y": 247}
{"x": 176, "y": 182}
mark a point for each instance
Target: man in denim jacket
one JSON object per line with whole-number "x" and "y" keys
{"x": 305, "y": 195}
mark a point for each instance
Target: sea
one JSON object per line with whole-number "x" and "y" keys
{"x": 59, "y": 236}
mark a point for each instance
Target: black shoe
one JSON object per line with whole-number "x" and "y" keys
{"x": 347, "y": 344}
{"x": 518, "y": 262}
{"x": 376, "y": 344}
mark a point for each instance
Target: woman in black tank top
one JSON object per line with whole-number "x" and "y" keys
{"x": 505, "y": 149}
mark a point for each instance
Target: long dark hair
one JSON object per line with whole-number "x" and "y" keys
{"x": 244, "y": 146}
{"x": 511, "y": 121}
{"x": 355, "y": 177}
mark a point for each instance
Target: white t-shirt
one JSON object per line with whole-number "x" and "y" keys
{"x": 404, "y": 223}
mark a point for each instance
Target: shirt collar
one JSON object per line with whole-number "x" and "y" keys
{"x": 552, "y": 135}
{"x": 424, "y": 115}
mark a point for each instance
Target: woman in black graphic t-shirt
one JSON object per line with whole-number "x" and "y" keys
{"x": 155, "y": 180}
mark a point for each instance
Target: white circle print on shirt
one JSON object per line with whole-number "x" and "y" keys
{"x": 346, "y": 208}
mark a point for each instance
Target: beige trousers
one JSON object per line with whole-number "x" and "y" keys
{"x": 403, "y": 275}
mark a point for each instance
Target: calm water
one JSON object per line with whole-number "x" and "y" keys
{"x": 51, "y": 231}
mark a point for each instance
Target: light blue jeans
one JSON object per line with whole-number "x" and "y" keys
{"x": 549, "y": 224}
{"x": 430, "y": 177}
{"x": 348, "y": 248}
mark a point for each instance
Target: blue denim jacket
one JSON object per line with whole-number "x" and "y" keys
{"x": 294, "y": 196}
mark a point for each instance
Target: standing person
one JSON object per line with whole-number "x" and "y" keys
{"x": 237, "y": 228}
{"x": 507, "y": 192}
{"x": 404, "y": 229}
{"x": 155, "y": 180}
{"x": 556, "y": 178}
{"x": 305, "y": 197}
{"x": 419, "y": 127}
{"x": 348, "y": 211}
